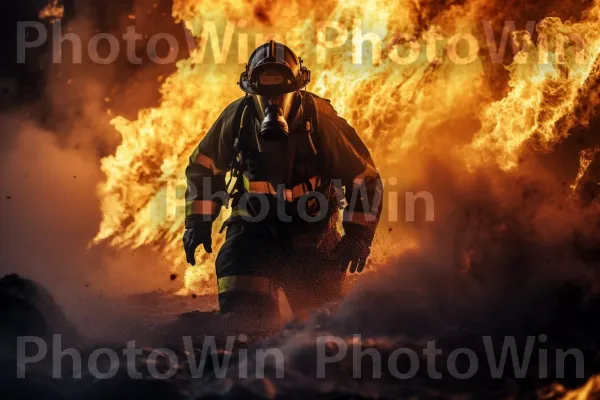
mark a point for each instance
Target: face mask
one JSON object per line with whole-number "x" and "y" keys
{"x": 274, "y": 111}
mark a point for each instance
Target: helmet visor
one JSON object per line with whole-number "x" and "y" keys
{"x": 269, "y": 80}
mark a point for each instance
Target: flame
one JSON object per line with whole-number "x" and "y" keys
{"x": 542, "y": 94}
{"x": 588, "y": 391}
{"x": 432, "y": 104}
{"x": 586, "y": 156}
{"x": 52, "y": 11}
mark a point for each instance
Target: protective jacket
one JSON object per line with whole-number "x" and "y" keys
{"x": 302, "y": 181}
{"x": 334, "y": 154}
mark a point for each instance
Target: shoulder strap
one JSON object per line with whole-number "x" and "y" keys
{"x": 290, "y": 154}
{"x": 310, "y": 120}
{"x": 238, "y": 124}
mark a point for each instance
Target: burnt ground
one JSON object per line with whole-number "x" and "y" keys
{"x": 567, "y": 317}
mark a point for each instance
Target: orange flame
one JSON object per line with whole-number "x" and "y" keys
{"x": 589, "y": 390}
{"x": 432, "y": 104}
{"x": 586, "y": 156}
{"x": 52, "y": 11}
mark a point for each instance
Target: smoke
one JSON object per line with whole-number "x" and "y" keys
{"x": 51, "y": 146}
{"x": 49, "y": 211}
{"x": 490, "y": 229}
{"x": 501, "y": 248}
{"x": 51, "y": 150}
{"x": 501, "y": 253}
{"x": 507, "y": 255}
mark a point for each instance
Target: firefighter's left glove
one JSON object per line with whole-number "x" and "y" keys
{"x": 354, "y": 248}
{"x": 197, "y": 232}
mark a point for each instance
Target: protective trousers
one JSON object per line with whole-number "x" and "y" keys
{"x": 259, "y": 258}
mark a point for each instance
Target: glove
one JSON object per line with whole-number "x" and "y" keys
{"x": 354, "y": 248}
{"x": 197, "y": 232}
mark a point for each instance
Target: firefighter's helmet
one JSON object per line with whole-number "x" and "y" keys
{"x": 273, "y": 68}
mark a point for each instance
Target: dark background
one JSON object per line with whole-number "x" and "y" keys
{"x": 39, "y": 79}
{"x": 54, "y": 131}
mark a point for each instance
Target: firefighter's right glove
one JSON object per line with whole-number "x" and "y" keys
{"x": 197, "y": 232}
{"x": 354, "y": 248}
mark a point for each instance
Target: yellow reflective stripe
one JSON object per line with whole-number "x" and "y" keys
{"x": 205, "y": 161}
{"x": 240, "y": 212}
{"x": 360, "y": 218}
{"x": 290, "y": 194}
{"x": 202, "y": 207}
{"x": 245, "y": 283}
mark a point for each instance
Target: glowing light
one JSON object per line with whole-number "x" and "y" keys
{"x": 52, "y": 11}
{"x": 432, "y": 104}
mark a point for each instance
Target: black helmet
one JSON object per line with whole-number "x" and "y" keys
{"x": 272, "y": 78}
{"x": 274, "y": 68}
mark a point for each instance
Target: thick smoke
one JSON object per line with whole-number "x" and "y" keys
{"x": 508, "y": 254}
{"x": 55, "y": 130}
{"x": 49, "y": 211}
{"x": 502, "y": 245}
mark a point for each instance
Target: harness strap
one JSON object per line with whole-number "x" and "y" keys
{"x": 240, "y": 120}
{"x": 239, "y": 123}
{"x": 310, "y": 120}
{"x": 310, "y": 127}
{"x": 290, "y": 152}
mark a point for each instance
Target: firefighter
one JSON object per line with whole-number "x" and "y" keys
{"x": 295, "y": 164}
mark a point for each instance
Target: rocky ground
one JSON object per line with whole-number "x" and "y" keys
{"x": 28, "y": 310}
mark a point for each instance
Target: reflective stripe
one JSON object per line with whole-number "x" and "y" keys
{"x": 245, "y": 283}
{"x": 207, "y": 162}
{"x": 361, "y": 218}
{"x": 240, "y": 212}
{"x": 258, "y": 186}
{"x": 290, "y": 194}
{"x": 302, "y": 189}
{"x": 202, "y": 207}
